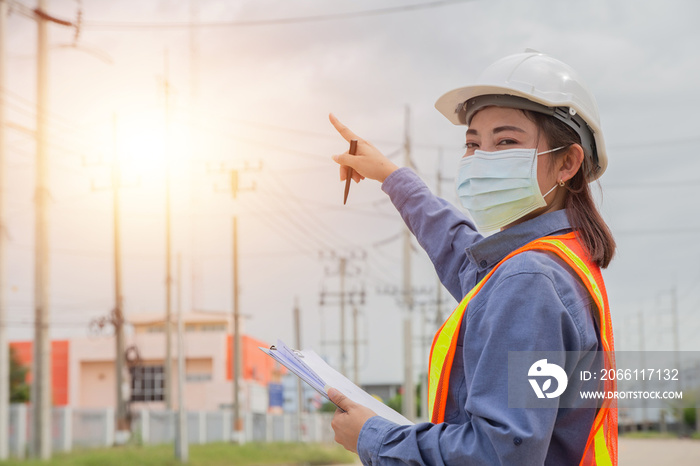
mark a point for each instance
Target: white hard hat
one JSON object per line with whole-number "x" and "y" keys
{"x": 538, "y": 82}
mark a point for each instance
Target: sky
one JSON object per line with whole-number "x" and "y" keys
{"x": 251, "y": 89}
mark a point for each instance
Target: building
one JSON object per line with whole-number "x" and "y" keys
{"x": 310, "y": 398}
{"x": 83, "y": 369}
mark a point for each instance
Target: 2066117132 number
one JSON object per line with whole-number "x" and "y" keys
{"x": 639, "y": 374}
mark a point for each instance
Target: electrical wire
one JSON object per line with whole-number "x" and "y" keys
{"x": 289, "y": 234}
{"x": 301, "y": 132}
{"x": 112, "y": 25}
{"x": 658, "y": 231}
{"x": 653, "y": 184}
{"x": 309, "y": 233}
{"x": 318, "y": 224}
{"x": 288, "y": 195}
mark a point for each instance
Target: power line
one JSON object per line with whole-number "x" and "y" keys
{"x": 65, "y": 146}
{"x": 643, "y": 145}
{"x": 303, "y": 132}
{"x": 107, "y": 25}
{"x": 654, "y": 184}
{"x": 658, "y": 231}
{"x": 289, "y": 234}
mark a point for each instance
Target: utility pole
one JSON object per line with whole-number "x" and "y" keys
{"x": 122, "y": 418}
{"x": 297, "y": 345}
{"x": 676, "y": 340}
{"x": 355, "y": 348}
{"x": 195, "y": 148}
{"x": 676, "y": 356}
{"x": 643, "y": 364}
{"x": 41, "y": 362}
{"x": 409, "y": 404}
{"x": 343, "y": 356}
{"x": 167, "y": 365}
{"x": 115, "y": 318}
{"x": 344, "y": 269}
{"x": 40, "y": 443}
{"x": 438, "y": 191}
{"x": 4, "y": 349}
{"x": 438, "y": 308}
{"x": 237, "y": 357}
{"x": 181, "y": 445}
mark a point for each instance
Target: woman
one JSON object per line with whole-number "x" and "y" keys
{"x": 533, "y": 144}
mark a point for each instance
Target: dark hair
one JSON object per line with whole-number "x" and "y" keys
{"x": 580, "y": 208}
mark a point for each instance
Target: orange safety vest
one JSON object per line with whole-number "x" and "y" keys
{"x": 601, "y": 447}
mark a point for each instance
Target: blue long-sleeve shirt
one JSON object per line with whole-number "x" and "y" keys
{"x": 532, "y": 302}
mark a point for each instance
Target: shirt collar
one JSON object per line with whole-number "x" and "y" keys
{"x": 488, "y": 251}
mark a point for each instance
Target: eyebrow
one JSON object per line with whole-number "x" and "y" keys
{"x": 498, "y": 129}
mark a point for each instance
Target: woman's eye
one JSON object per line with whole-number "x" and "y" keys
{"x": 505, "y": 142}
{"x": 471, "y": 145}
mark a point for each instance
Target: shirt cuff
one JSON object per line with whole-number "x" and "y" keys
{"x": 401, "y": 184}
{"x": 371, "y": 438}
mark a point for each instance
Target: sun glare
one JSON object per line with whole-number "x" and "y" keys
{"x": 145, "y": 148}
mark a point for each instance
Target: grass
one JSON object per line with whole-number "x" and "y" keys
{"x": 657, "y": 435}
{"x": 212, "y": 454}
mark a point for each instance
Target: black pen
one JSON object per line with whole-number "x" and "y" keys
{"x": 353, "y": 150}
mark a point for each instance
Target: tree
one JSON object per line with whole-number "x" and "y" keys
{"x": 19, "y": 389}
{"x": 328, "y": 407}
{"x": 396, "y": 402}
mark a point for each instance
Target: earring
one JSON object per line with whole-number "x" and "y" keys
{"x": 561, "y": 183}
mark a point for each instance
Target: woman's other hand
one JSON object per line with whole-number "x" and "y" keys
{"x": 348, "y": 423}
{"x": 368, "y": 162}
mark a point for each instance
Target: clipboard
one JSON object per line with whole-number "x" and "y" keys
{"x": 312, "y": 369}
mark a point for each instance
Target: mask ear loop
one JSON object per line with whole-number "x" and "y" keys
{"x": 553, "y": 188}
{"x": 551, "y": 150}
{"x": 559, "y": 183}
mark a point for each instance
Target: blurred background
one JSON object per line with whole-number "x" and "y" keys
{"x": 196, "y": 112}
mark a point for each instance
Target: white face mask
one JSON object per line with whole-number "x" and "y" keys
{"x": 498, "y": 188}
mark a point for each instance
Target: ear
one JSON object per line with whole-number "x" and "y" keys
{"x": 570, "y": 162}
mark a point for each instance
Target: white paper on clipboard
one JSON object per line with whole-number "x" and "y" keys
{"x": 312, "y": 369}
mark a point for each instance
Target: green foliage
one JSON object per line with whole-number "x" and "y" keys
{"x": 396, "y": 402}
{"x": 650, "y": 434}
{"x": 211, "y": 454}
{"x": 327, "y": 407}
{"x": 19, "y": 389}
{"x": 689, "y": 414}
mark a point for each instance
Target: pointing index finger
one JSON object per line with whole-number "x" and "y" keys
{"x": 342, "y": 129}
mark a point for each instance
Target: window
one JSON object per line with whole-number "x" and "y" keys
{"x": 195, "y": 377}
{"x": 147, "y": 383}
{"x": 198, "y": 369}
{"x": 213, "y": 327}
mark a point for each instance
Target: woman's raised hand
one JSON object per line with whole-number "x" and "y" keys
{"x": 368, "y": 162}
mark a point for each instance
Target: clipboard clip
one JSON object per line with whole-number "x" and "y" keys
{"x": 296, "y": 352}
